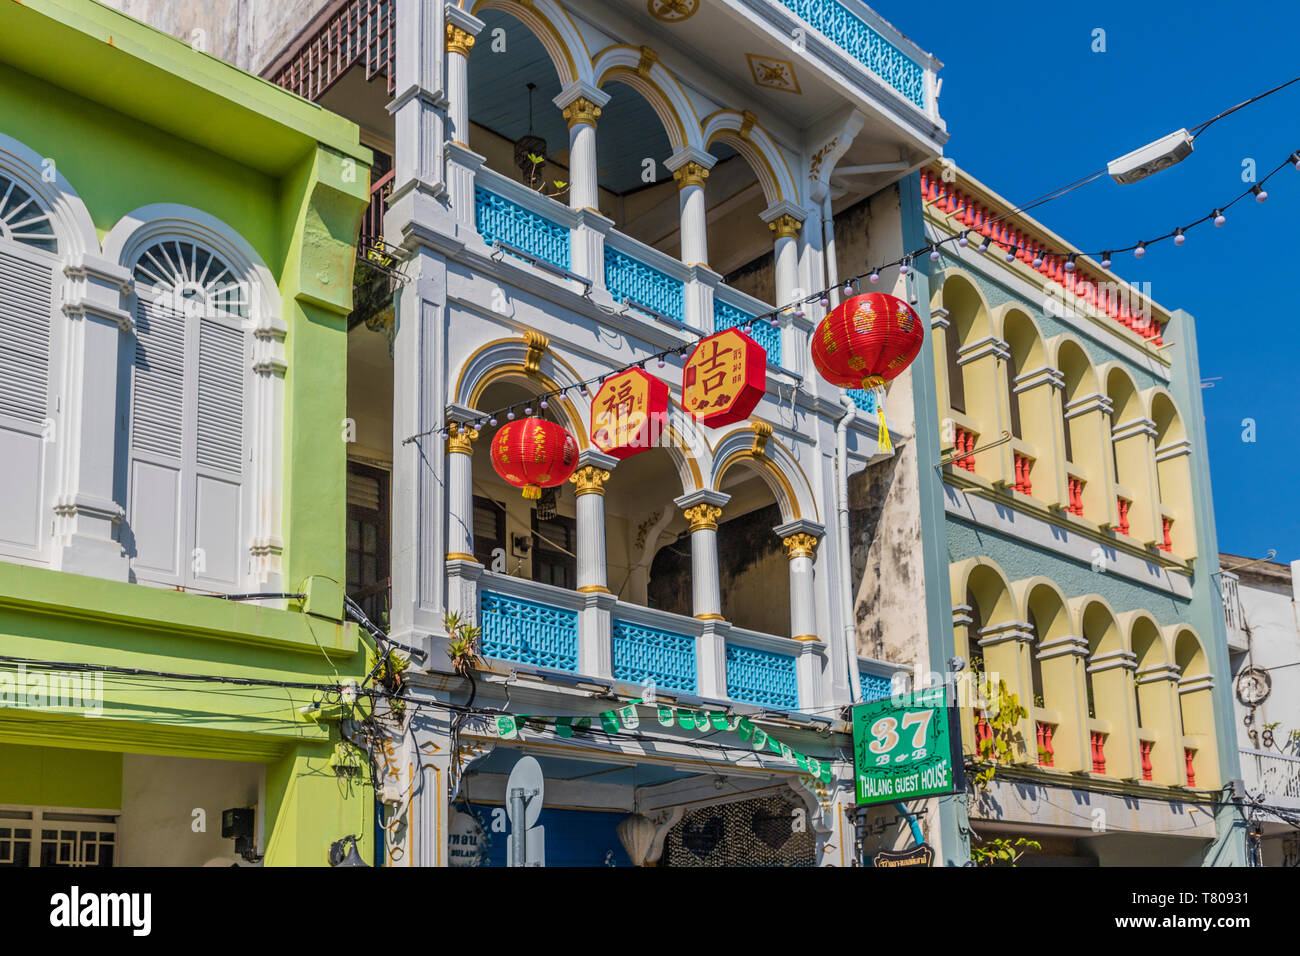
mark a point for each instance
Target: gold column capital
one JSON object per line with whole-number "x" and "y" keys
{"x": 581, "y": 110}
{"x": 460, "y": 439}
{"x": 690, "y": 174}
{"x": 785, "y": 226}
{"x": 590, "y": 480}
{"x": 801, "y": 545}
{"x": 703, "y": 517}
{"x": 459, "y": 40}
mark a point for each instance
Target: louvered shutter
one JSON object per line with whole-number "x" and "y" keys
{"x": 158, "y": 409}
{"x": 26, "y": 305}
{"x": 219, "y": 452}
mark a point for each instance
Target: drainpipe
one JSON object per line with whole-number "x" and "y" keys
{"x": 846, "y": 571}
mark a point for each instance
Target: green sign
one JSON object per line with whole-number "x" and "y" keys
{"x": 903, "y": 747}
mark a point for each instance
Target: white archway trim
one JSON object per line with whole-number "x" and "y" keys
{"x": 777, "y": 466}
{"x": 758, "y": 148}
{"x": 660, "y": 88}
{"x": 73, "y": 225}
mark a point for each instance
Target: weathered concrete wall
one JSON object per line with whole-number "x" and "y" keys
{"x": 884, "y": 499}
{"x": 247, "y": 33}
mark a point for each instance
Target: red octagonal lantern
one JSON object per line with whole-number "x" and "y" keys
{"x": 724, "y": 379}
{"x": 628, "y": 413}
{"x": 533, "y": 454}
{"x": 866, "y": 341}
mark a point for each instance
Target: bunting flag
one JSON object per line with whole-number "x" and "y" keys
{"x": 509, "y": 727}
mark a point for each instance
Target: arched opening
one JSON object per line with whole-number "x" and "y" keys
{"x": 1151, "y": 698}
{"x": 1105, "y": 682}
{"x": 502, "y": 128}
{"x": 1053, "y": 676}
{"x": 1173, "y": 479}
{"x": 637, "y": 190}
{"x": 647, "y": 536}
{"x": 1128, "y": 455}
{"x": 533, "y": 539}
{"x": 991, "y": 608}
{"x": 972, "y": 404}
{"x": 1196, "y": 710}
{"x": 740, "y": 243}
{"x": 1031, "y": 417}
{"x": 1081, "y": 439}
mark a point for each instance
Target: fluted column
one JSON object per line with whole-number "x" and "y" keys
{"x": 703, "y": 509}
{"x": 801, "y": 548}
{"x": 589, "y": 482}
{"x": 460, "y": 492}
{"x": 461, "y": 31}
{"x": 582, "y": 104}
{"x": 690, "y": 169}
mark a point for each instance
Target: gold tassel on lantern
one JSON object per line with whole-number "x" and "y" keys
{"x": 876, "y": 384}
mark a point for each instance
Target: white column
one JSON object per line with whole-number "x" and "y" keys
{"x": 690, "y": 168}
{"x": 461, "y": 30}
{"x": 703, "y": 509}
{"x": 801, "y": 548}
{"x": 589, "y": 481}
{"x": 785, "y": 220}
{"x": 582, "y": 103}
{"x": 460, "y": 492}
{"x": 87, "y": 428}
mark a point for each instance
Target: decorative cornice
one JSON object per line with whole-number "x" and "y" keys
{"x": 459, "y": 40}
{"x": 1046, "y": 375}
{"x": 1111, "y": 660}
{"x": 961, "y": 615}
{"x": 1189, "y": 685}
{"x": 1159, "y": 672}
{"x": 703, "y": 517}
{"x": 1096, "y": 402}
{"x": 589, "y": 480}
{"x": 581, "y": 111}
{"x": 460, "y": 439}
{"x": 690, "y": 174}
{"x": 939, "y": 317}
{"x": 1070, "y": 645}
{"x": 1001, "y": 633}
{"x": 1174, "y": 449}
{"x": 1135, "y": 426}
{"x": 800, "y": 546}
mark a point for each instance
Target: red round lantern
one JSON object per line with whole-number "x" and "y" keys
{"x": 533, "y": 454}
{"x": 866, "y": 341}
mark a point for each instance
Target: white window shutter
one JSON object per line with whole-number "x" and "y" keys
{"x": 157, "y": 442}
{"x": 219, "y": 453}
{"x": 26, "y": 305}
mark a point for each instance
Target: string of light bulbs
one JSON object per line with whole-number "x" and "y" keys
{"x": 904, "y": 264}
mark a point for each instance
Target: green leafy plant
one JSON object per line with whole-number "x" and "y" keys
{"x": 462, "y": 644}
{"x": 561, "y": 187}
{"x": 1002, "y": 852}
{"x": 391, "y": 676}
{"x": 1002, "y": 716}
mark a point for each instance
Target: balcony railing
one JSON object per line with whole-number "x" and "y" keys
{"x": 499, "y": 217}
{"x": 1024, "y": 465}
{"x": 964, "y": 442}
{"x": 1148, "y": 768}
{"x": 535, "y": 624}
{"x": 1097, "y": 749}
{"x": 1046, "y": 752}
{"x": 363, "y": 31}
{"x": 1277, "y": 775}
{"x": 759, "y": 676}
{"x": 729, "y": 316}
{"x": 642, "y": 284}
{"x": 372, "y": 226}
{"x": 848, "y": 30}
{"x": 651, "y": 655}
{"x": 1166, "y": 533}
{"x": 1189, "y": 756}
{"x": 1122, "y": 506}
{"x": 1075, "y": 484}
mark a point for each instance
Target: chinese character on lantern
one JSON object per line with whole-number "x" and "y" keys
{"x": 724, "y": 378}
{"x": 628, "y": 413}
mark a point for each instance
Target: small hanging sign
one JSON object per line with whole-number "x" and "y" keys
{"x": 629, "y": 413}
{"x": 724, "y": 379}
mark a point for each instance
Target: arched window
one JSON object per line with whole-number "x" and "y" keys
{"x": 28, "y": 264}
{"x": 1173, "y": 479}
{"x": 188, "y": 454}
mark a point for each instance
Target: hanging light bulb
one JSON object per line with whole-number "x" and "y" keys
{"x": 662, "y": 361}
{"x": 749, "y": 328}
{"x": 824, "y": 301}
{"x": 510, "y": 415}
{"x": 544, "y": 404}
{"x": 875, "y": 275}
{"x": 934, "y": 253}
{"x": 1011, "y": 253}
{"x": 1219, "y": 217}
{"x": 1105, "y": 260}
{"x": 1259, "y": 191}
{"x": 962, "y": 240}
{"x": 848, "y": 290}
{"x": 1038, "y": 258}
{"x": 798, "y": 311}
{"x": 1140, "y": 250}
{"x": 984, "y": 244}
{"x": 1295, "y": 159}
{"x": 1069, "y": 262}
{"x": 1179, "y": 238}
{"x": 528, "y": 409}
{"x": 493, "y": 421}
{"x": 904, "y": 268}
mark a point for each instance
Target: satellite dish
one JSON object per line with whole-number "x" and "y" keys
{"x": 526, "y": 776}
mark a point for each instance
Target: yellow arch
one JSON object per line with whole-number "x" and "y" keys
{"x": 772, "y": 476}
{"x": 518, "y": 373}
{"x": 1023, "y": 592}
{"x": 960, "y": 577}
{"x": 761, "y": 151}
{"x": 1082, "y": 605}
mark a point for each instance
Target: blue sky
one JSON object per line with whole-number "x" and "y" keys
{"x": 1031, "y": 107}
